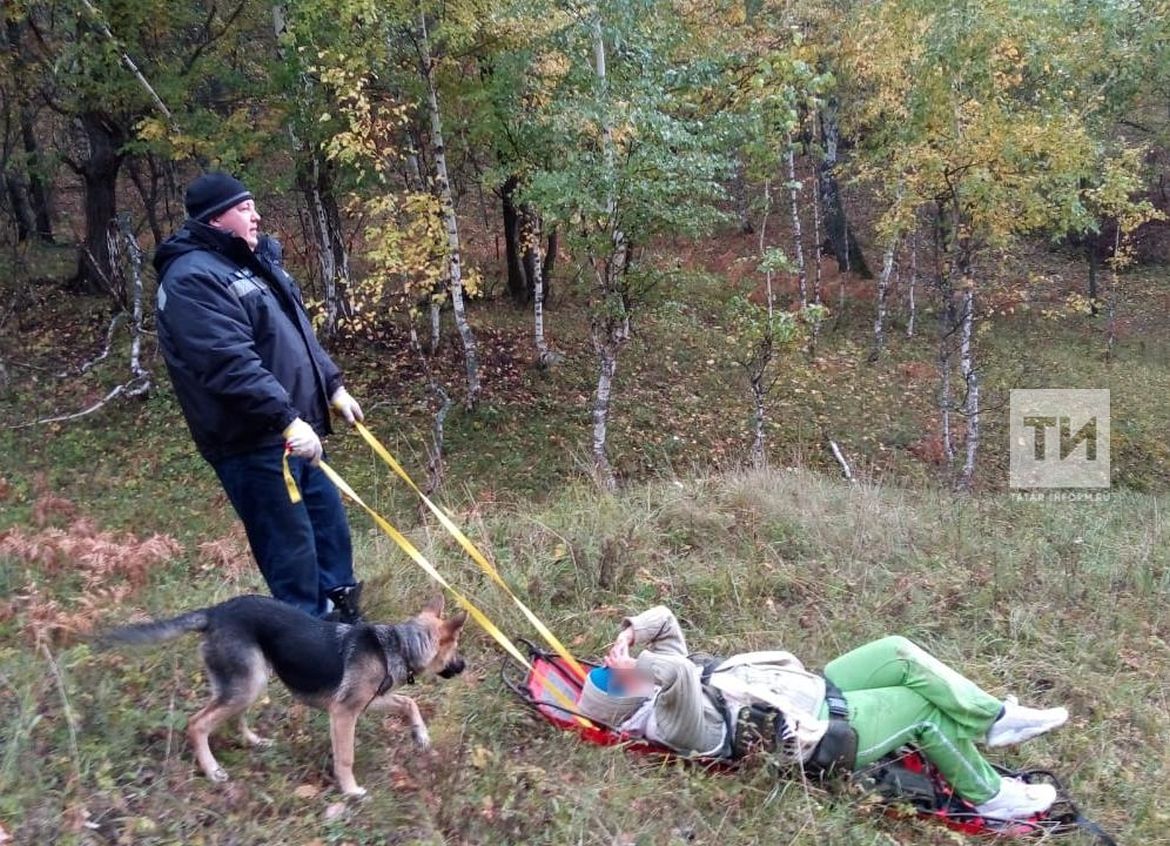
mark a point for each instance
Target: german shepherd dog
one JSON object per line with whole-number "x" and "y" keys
{"x": 343, "y": 669}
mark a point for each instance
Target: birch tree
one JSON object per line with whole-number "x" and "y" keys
{"x": 426, "y": 63}
{"x": 315, "y": 29}
{"x": 638, "y": 157}
{"x": 967, "y": 118}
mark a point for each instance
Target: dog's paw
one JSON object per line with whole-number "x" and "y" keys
{"x": 260, "y": 742}
{"x": 422, "y": 738}
{"x": 355, "y": 792}
{"x": 219, "y": 775}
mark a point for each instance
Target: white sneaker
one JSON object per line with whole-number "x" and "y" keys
{"x": 1018, "y": 800}
{"x": 1017, "y": 723}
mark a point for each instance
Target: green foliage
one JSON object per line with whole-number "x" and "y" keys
{"x": 638, "y": 155}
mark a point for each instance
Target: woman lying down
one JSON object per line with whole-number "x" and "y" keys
{"x": 869, "y": 702}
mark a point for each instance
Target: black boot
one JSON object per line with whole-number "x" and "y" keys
{"x": 345, "y": 604}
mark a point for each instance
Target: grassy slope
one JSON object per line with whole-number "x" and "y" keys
{"x": 1055, "y": 602}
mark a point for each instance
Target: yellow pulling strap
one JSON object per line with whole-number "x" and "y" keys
{"x": 470, "y": 548}
{"x": 294, "y": 495}
{"x": 412, "y": 551}
{"x": 418, "y": 558}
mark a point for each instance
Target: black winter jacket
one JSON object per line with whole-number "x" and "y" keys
{"x": 237, "y": 341}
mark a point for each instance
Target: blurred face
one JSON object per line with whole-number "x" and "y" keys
{"x": 241, "y": 220}
{"x": 629, "y": 682}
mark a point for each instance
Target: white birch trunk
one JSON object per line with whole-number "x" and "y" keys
{"x": 137, "y": 372}
{"x": 759, "y": 396}
{"x": 607, "y": 357}
{"x": 1111, "y": 296}
{"x": 450, "y": 222}
{"x": 545, "y": 357}
{"x": 542, "y": 350}
{"x": 971, "y": 378}
{"x": 883, "y": 288}
{"x": 797, "y": 238}
{"x": 911, "y": 286}
{"x": 816, "y": 282}
{"x": 610, "y": 325}
{"x": 436, "y": 309}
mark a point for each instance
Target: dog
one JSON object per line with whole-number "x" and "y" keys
{"x": 343, "y": 669}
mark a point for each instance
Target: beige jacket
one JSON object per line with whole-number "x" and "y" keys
{"x": 685, "y": 717}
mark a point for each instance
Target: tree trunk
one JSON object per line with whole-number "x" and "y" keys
{"x": 38, "y": 194}
{"x": 971, "y": 378}
{"x": 845, "y": 247}
{"x": 739, "y": 198}
{"x": 761, "y": 358}
{"x": 443, "y": 185}
{"x": 542, "y": 350}
{"x": 759, "y": 399}
{"x": 17, "y": 193}
{"x": 95, "y": 272}
{"x": 797, "y": 238}
{"x": 947, "y": 320}
{"x": 607, "y": 359}
{"x": 883, "y": 288}
{"x": 545, "y": 357}
{"x": 518, "y": 281}
{"x": 531, "y": 227}
{"x": 139, "y": 375}
{"x": 37, "y": 190}
{"x": 815, "y": 334}
{"x": 1091, "y": 254}
{"x": 610, "y": 324}
{"x": 913, "y": 306}
{"x": 549, "y": 264}
{"x": 436, "y": 310}
{"x": 435, "y": 450}
{"x": 148, "y": 193}
{"x": 315, "y": 180}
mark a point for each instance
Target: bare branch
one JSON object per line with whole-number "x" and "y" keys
{"x": 127, "y": 61}
{"x": 131, "y": 388}
{"x": 86, "y": 366}
{"x": 837, "y": 454}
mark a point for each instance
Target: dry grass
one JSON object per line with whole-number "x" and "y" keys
{"x": 1057, "y": 603}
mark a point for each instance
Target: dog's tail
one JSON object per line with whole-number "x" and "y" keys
{"x": 156, "y": 631}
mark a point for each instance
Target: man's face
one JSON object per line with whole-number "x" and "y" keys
{"x": 241, "y": 220}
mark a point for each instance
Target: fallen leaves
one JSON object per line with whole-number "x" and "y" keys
{"x": 307, "y": 791}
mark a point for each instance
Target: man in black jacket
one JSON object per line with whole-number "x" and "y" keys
{"x": 251, "y": 378}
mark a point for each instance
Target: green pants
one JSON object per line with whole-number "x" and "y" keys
{"x": 898, "y": 693}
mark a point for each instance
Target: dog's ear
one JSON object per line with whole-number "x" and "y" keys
{"x": 455, "y": 622}
{"x": 435, "y": 606}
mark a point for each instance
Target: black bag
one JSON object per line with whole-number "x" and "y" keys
{"x": 836, "y": 753}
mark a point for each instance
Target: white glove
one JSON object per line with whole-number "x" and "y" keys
{"x": 346, "y": 406}
{"x": 303, "y": 442}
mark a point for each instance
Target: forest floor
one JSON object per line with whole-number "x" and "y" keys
{"x": 113, "y": 515}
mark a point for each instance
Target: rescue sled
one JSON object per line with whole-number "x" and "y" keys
{"x": 902, "y": 780}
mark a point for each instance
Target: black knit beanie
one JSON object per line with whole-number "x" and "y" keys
{"x": 212, "y": 194}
